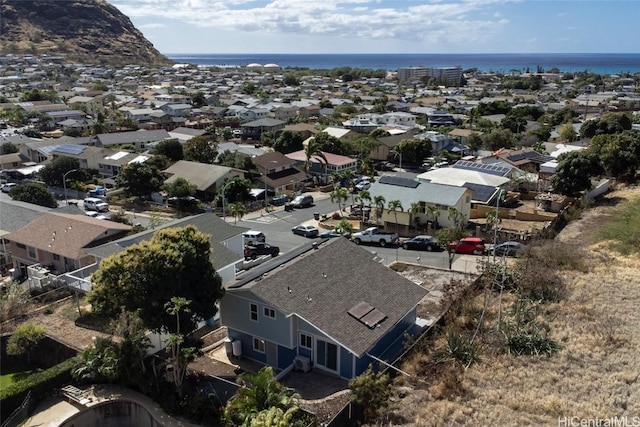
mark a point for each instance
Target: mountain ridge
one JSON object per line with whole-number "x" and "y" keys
{"x": 89, "y": 30}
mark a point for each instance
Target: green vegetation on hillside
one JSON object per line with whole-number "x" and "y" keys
{"x": 624, "y": 229}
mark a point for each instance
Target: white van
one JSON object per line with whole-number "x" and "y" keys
{"x": 95, "y": 204}
{"x": 253, "y": 236}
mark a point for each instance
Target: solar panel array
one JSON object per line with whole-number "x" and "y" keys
{"x": 367, "y": 314}
{"x": 529, "y": 155}
{"x": 398, "y": 181}
{"x": 481, "y": 193}
{"x": 71, "y": 149}
{"x": 491, "y": 169}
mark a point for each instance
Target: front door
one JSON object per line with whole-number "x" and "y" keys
{"x": 272, "y": 354}
{"x": 327, "y": 355}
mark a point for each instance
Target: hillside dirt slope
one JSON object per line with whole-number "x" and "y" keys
{"x": 90, "y": 30}
{"x": 595, "y": 374}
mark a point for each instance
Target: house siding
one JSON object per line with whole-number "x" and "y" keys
{"x": 285, "y": 356}
{"x": 236, "y": 312}
{"x": 247, "y": 345}
{"x": 346, "y": 363}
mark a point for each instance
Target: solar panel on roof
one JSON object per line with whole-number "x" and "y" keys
{"x": 360, "y": 310}
{"x": 490, "y": 169}
{"x": 398, "y": 181}
{"x": 373, "y": 318}
{"x": 70, "y": 149}
{"x": 481, "y": 193}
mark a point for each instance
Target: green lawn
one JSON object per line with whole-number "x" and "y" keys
{"x": 14, "y": 371}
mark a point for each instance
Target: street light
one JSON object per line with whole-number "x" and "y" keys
{"x": 64, "y": 184}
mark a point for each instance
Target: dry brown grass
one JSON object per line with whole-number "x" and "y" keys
{"x": 594, "y": 374}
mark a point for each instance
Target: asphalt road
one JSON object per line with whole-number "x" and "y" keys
{"x": 277, "y": 228}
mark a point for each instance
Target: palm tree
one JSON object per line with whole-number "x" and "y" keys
{"x": 395, "y": 206}
{"x": 415, "y": 209}
{"x": 313, "y": 149}
{"x": 456, "y": 216}
{"x": 258, "y": 392}
{"x": 379, "y": 201}
{"x": 363, "y": 196}
{"x": 339, "y": 195}
{"x": 237, "y": 211}
{"x": 433, "y": 212}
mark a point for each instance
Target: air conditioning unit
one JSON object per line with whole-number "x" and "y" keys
{"x": 302, "y": 363}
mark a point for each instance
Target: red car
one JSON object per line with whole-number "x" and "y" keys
{"x": 468, "y": 245}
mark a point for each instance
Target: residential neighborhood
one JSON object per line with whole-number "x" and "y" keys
{"x": 217, "y": 153}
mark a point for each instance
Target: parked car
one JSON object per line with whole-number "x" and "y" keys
{"x": 384, "y": 166}
{"x": 258, "y": 249}
{"x": 363, "y": 185}
{"x": 374, "y": 235}
{"x": 306, "y": 230}
{"x": 421, "y": 243}
{"x": 8, "y": 187}
{"x": 506, "y": 249}
{"x": 302, "y": 201}
{"x": 468, "y": 245}
{"x": 253, "y": 236}
{"x": 329, "y": 234}
{"x": 96, "y": 215}
{"x": 95, "y": 204}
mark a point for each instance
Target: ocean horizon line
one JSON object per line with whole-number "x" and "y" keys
{"x": 600, "y": 63}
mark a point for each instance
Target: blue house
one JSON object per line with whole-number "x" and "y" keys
{"x": 331, "y": 305}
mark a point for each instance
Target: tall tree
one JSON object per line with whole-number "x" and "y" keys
{"x": 170, "y": 148}
{"x": 146, "y": 276}
{"x": 619, "y": 154}
{"x": 339, "y": 196}
{"x": 288, "y": 142}
{"x": 201, "y": 149}
{"x": 54, "y": 171}
{"x": 395, "y": 206}
{"x": 312, "y": 150}
{"x": 139, "y": 179}
{"x": 574, "y": 172}
{"x": 379, "y": 202}
{"x": 237, "y": 211}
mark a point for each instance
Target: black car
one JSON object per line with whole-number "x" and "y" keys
{"x": 258, "y": 249}
{"x": 506, "y": 249}
{"x": 384, "y": 166}
{"x": 421, "y": 243}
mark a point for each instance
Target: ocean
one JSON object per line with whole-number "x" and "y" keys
{"x": 600, "y": 63}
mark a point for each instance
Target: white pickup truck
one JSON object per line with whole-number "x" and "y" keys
{"x": 374, "y": 235}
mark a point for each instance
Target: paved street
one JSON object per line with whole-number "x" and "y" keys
{"x": 277, "y": 228}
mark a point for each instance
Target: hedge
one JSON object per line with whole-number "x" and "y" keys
{"x": 41, "y": 384}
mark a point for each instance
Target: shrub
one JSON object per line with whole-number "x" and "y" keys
{"x": 370, "y": 390}
{"x": 524, "y": 333}
{"x": 458, "y": 349}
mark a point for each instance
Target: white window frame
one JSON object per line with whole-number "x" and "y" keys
{"x": 269, "y": 312}
{"x": 302, "y": 341}
{"x": 259, "y": 345}
{"x": 253, "y": 313}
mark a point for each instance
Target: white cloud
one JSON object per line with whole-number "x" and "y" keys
{"x": 377, "y": 20}
{"x": 152, "y": 25}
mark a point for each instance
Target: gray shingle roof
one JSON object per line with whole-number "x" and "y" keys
{"x": 208, "y": 223}
{"x": 322, "y": 285}
{"x": 133, "y": 137}
{"x": 202, "y": 175}
{"x": 15, "y": 215}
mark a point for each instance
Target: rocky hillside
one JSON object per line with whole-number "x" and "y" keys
{"x": 87, "y": 30}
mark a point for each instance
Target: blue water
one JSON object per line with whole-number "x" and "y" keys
{"x": 601, "y": 63}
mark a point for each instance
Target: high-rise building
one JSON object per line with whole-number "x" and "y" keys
{"x": 449, "y": 76}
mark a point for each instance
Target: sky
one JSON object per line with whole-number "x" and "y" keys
{"x": 387, "y": 26}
